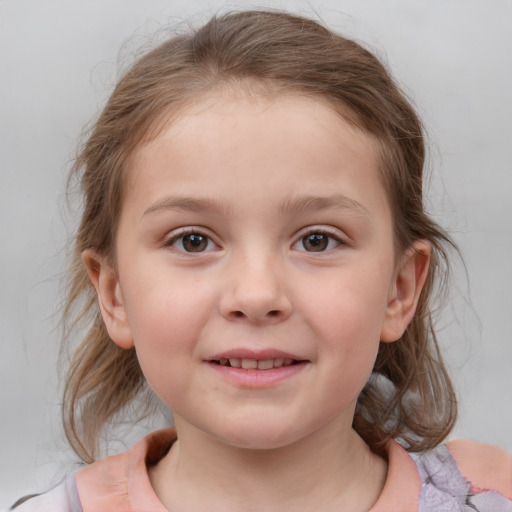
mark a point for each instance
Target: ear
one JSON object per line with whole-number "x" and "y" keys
{"x": 409, "y": 280}
{"x": 106, "y": 283}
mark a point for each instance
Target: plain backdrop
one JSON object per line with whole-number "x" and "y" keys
{"x": 59, "y": 59}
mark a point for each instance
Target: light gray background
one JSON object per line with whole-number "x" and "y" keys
{"x": 59, "y": 60}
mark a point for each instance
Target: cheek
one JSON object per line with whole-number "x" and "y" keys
{"x": 166, "y": 323}
{"x": 354, "y": 309}
{"x": 164, "y": 309}
{"x": 349, "y": 321}
{"x": 350, "y": 356}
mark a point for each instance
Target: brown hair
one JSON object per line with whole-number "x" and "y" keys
{"x": 409, "y": 396}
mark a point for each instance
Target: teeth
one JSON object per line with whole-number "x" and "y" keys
{"x": 252, "y": 364}
{"x": 266, "y": 364}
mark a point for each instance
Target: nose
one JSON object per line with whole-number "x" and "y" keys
{"x": 255, "y": 292}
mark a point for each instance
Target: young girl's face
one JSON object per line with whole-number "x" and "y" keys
{"x": 256, "y": 271}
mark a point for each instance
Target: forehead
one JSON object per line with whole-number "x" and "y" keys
{"x": 289, "y": 143}
{"x": 294, "y": 118}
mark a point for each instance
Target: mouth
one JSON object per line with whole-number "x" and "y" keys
{"x": 257, "y": 369}
{"x": 255, "y": 364}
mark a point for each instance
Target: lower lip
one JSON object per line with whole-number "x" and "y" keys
{"x": 258, "y": 378}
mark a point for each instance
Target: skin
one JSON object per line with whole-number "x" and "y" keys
{"x": 253, "y": 177}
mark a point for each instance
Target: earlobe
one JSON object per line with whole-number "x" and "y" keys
{"x": 110, "y": 300}
{"x": 409, "y": 281}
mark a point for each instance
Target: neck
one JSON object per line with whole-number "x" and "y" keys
{"x": 325, "y": 471}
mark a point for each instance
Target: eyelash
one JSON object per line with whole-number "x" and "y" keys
{"x": 188, "y": 232}
{"x": 330, "y": 236}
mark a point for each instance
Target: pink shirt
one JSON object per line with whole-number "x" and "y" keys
{"x": 461, "y": 476}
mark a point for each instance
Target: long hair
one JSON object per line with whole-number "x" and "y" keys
{"x": 410, "y": 395}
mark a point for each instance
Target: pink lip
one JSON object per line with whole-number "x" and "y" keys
{"x": 260, "y": 355}
{"x": 253, "y": 378}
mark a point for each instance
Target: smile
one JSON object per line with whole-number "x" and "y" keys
{"x": 255, "y": 364}
{"x": 257, "y": 369}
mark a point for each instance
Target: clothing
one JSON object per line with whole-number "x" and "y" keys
{"x": 462, "y": 476}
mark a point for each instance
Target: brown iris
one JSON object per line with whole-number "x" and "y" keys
{"x": 195, "y": 242}
{"x": 315, "y": 242}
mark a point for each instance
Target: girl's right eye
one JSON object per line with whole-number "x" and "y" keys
{"x": 191, "y": 242}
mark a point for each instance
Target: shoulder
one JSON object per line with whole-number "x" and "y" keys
{"x": 116, "y": 483}
{"x": 485, "y": 466}
{"x": 121, "y": 482}
{"x": 465, "y": 473}
{"x": 62, "y": 498}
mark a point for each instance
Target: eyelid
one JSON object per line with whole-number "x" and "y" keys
{"x": 176, "y": 234}
{"x": 330, "y": 231}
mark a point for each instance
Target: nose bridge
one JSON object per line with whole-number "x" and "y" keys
{"x": 255, "y": 287}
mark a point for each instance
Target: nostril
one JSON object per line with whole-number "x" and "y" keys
{"x": 261, "y": 315}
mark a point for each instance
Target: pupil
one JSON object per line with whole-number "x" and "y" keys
{"x": 315, "y": 242}
{"x": 195, "y": 243}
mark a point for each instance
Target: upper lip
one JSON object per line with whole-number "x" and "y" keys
{"x": 259, "y": 355}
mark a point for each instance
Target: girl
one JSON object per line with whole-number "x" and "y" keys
{"x": 254, "y": 251}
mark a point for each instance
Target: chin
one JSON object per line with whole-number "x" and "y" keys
{"x": 259, "y": 437}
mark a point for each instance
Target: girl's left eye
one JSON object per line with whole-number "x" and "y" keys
{"x": 192, "y": 242}
{"x": 317, "y": 241}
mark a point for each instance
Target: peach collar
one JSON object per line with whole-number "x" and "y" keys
{"x": 121, "y": 482}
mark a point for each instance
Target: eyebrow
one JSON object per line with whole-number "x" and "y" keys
{"x": 299, "y": 204}
{"x": 189, "y": 204}
{"x": 291, "y": 205}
